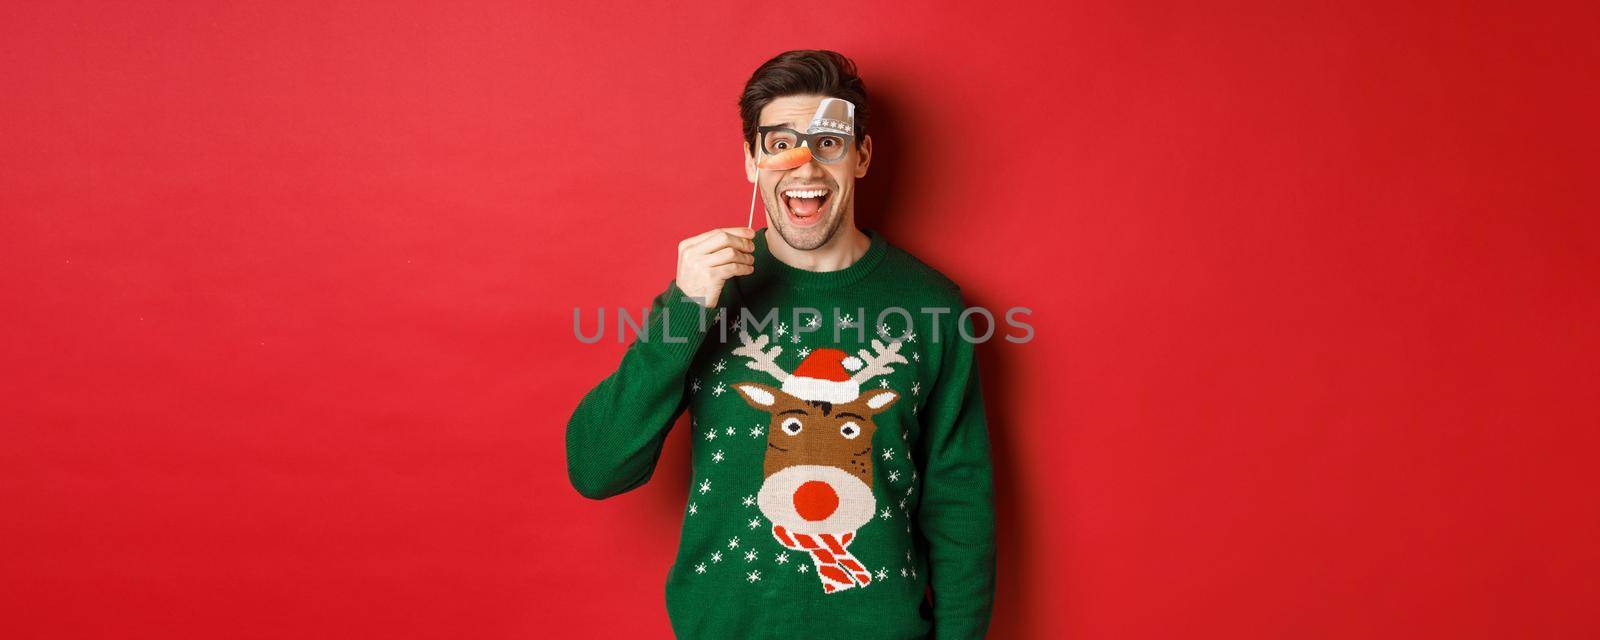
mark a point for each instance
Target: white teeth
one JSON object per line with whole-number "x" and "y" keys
{"x": 810, "y": 193}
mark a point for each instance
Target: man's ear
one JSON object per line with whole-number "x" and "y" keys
{"x": 865, "y": 152}
{"x": 878, "y": 400}
{"x": 749, "y": 164}
{"x": 760, "y": 396}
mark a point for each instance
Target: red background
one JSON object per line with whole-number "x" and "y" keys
{"x": 288, "y": 294}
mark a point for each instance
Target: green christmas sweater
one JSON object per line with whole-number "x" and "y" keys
{"x": 841, "y": 463}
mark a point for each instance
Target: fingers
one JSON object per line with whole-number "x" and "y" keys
{"x": 718, "y": 239}
{"x": 689, "y": 241}
{"x": 741, "y": 232}
{"x": 725, "y": 271}
{"x": 728, "y": 254}
{"x": 707, "y": 260}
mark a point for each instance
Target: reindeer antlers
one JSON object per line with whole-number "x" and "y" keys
{"x": 877, "y": 364}
{"x": 762, "y": 359}
{"x": 874, "y": 363}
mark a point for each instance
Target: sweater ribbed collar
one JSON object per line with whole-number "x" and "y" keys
{"x": 779, "y": 272}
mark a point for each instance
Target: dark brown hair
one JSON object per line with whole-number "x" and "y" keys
{"x": 803, "y": 72}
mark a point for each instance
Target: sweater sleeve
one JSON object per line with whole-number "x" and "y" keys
{"x": 615, "y": 435}
{"x": 956, "y": 512}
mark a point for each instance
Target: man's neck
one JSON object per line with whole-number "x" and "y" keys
{"x": 841, "y": 251}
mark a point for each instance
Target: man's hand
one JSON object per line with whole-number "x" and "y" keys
{"x": 707, "y": 260}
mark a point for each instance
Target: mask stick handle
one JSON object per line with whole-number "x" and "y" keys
{"x": 751, "y": 223}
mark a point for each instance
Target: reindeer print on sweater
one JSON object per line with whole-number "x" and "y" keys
{"x": 817, "y": 470}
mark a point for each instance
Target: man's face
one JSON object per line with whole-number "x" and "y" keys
{"x": 807, "y": 223}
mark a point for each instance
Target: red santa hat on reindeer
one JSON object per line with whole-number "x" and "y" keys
{"x": 825, "y": 376}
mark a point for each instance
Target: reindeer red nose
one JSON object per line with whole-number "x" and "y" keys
{"x": 815, "y": 500}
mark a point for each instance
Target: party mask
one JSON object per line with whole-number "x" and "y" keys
{"x": 829, "y": 134}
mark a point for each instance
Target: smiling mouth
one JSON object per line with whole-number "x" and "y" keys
{"x": 804, "y": 207}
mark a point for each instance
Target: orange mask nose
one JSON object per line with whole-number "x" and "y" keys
{"x": 786, "y": 159}
{"x": 815, "y": 500}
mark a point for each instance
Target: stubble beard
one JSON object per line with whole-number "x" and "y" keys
{"x": 806, "y": 240}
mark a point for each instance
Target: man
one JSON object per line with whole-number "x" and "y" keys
{"x": 841, "y": 456}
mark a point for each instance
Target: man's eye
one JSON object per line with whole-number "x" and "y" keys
{"x": 780, "y": 145}
{"x": 829, "y": 142}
